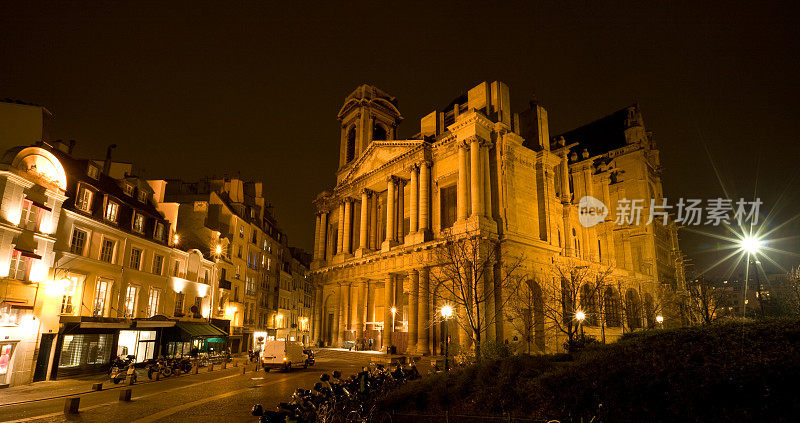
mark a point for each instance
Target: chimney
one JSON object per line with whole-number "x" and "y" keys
{"x": 107, "y": 163}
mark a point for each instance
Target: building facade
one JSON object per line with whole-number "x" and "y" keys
{"x": 476, "y": 169}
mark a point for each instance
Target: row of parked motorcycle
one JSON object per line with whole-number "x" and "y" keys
{"x": 124, "y": 366}
{"x": 334, "y": 399}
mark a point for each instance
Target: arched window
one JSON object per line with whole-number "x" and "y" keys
{"x": 378, "y": 132}
{"x": 633, "y": 310}
{"x": 351, "y": 144}
{"x": 589, "y": 305}
{"x": 533, "y": 313}
{"x": 611, "y": 308}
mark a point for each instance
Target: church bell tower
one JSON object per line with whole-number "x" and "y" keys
{"x": 368, "y": 114}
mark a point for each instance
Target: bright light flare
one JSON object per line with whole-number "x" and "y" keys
{"x": 447, "y": 311}
{"x": 751, "y": 244}
{"x": 580, "y": 316}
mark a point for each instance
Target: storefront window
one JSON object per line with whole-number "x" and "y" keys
{"x": 85, "y": 349}
{"x": 139, "y": 343}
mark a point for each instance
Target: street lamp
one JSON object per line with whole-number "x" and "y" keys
{"x": 660, "y": 320}
{"x": 391, "y": 334}
{"x": 752, "y": 246}
{"x": 580, "y": 317}
{"x": 447, "y": 311}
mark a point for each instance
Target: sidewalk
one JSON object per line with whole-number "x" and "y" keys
{"x": 50, "y": 389}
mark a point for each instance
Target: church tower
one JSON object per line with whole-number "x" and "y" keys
{"x": 368, "y": 114}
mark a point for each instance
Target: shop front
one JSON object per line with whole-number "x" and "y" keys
{"x": 187, "y": 337}
{"x": 86, "y": 345}
{"x": 18, "y": 332}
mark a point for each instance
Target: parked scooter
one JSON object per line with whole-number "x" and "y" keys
{"x": 120, "y": 369}
{"x": 158, "y": 366}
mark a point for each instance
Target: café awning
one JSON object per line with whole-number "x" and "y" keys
{"x": 186, "y": 331}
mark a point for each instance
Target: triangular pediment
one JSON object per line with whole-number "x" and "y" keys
{"x": 378, "y": 154}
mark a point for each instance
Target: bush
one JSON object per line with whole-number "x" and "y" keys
{"x": 733, "y": 371}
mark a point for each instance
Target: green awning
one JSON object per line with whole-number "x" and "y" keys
{"x": 190, "y": 330}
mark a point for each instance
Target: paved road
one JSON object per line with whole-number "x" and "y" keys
{"x": 219, "y": 396}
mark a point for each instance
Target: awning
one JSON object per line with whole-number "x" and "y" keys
{"x": 185, "y": 331}
{"x": 154, "y": 324}
{"x": 105, "y": 325}
{"x": 37, "y": 198}
{"x": 26, "y": 253}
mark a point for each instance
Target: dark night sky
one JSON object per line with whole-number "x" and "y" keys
{"x": 195, "y": 89}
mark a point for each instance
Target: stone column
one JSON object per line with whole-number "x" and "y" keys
{"x": 362, "y": 239}
{"x": 361, "y": 321}
{"x": 373, "y": 222}
{"x": 399, "y": 221}
{"x": 317, "y": 313}
{"x": 413, "y": 312}
{"x": 388, "y": 301}
{"x": 476, "y": 185}
{"x": 347, "y": 322}
{"x": 424, "y": 195}
{"x": 340, "y": 318}
{"x": 487, "y": 180}
{"x": 390, "y": 209}
{"x": 323, "y": 235}
{"x": 316, "y": 236}
{"x": 414, "y": 201}
{"x": 423, "y": 310}
{"x": 356, "y": 311}
{"x": 348, "y": 227}
{"x": 462, "y": 181}
{"x": 340, "y": 234}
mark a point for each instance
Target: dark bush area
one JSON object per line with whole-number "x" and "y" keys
{"x": 735, "y": 371}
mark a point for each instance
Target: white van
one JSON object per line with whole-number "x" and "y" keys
{"x": 283, "y": 355}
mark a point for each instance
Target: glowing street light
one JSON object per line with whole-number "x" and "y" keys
{"x": 751, "y": 244}
{"x": 580, "y": 317}
{"x": 660, "y": 320}
{"x": 447, "y": 312}
{"x": 218, "y": 250}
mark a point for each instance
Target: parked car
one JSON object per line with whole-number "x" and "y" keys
{"x": 283, "y": 355}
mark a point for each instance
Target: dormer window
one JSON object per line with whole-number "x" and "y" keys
{"x": 128, "y": 188}
{"x": 159, "y": 235}
{"x": 142, "y": 196}
{"x": 111, "y": 211}
{"x": 93, "y": 171}
{"x": 138, "y": 223}
{"x": 84, "y": 199}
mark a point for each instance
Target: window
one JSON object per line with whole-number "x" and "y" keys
{"x": 138, "y": 223}
{"x": 179, "y": 303}
{"x": 449, "y": 203}
{"x": 70, "y": 289}
{"x": 158, "y": 263}
{"x": 100, "y": 290}
{"x": 28, "y": 215}
{"x": 130, "y": 300}
{"x": 111, "y": 211}
{"x": 198, "y": 302}
{"x": 205, "y": 276}
{"x": 19, "y": 266}
{"x": 84, "y": 199}
{"x": 136, "y": 258}
{"x": 241, "y": 231}
{"x": 236, "y": 294}
{"x": 159, "y": 231}
{"x": 128, "y": 188}
{"x": 107, "y": 250}
{"x": 93, "y": 171}
{"x": 176, "y": 268}
{"x": 78, "y": 242}
{"x": 238, "y": 272}
{"x": 239, "y": 251}
{"x": 254, "y": 239}
{"x": 153, "y": 302}
{"x": 142, "y": 196}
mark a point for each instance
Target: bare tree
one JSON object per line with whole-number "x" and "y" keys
{"x": 526, "y": 314}
{"x": 476, "y": 279}
{"x": 572, "y": 281}
{"x": 707, "y": 302}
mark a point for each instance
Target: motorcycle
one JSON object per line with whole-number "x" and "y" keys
{"x": 158, "y": 366}
{"x": 181, "y": 365}
{"x": 121, "y": 368}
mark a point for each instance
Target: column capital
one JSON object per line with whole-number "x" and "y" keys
{"x": 347, "y": 200}
{"x": 425, "y": 163}
{"x": 392, "y": 178}
{"x": 413, "y": 167}
{"x": 367, "y": 191}
{"x": 463, "y": 144}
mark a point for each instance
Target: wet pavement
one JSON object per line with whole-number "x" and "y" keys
{"x": 218, "y": 396}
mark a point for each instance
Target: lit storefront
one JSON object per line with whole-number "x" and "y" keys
{"x": 181, "y": 339}
{"x": 18, "y": 329}
{"x": 86, "y": 345}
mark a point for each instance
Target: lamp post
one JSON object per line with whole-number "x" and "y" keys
{"x": 580, "y": 317}
{"x": 391, "y": 334}
{"x": 752, "y": 246}
{"x": 446, "y": 311}
{"x": 660, "y": 321}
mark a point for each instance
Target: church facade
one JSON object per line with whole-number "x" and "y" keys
{"x": 478, "y": 169}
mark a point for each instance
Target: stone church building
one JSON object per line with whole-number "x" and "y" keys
{"x": 478, "y": 168}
